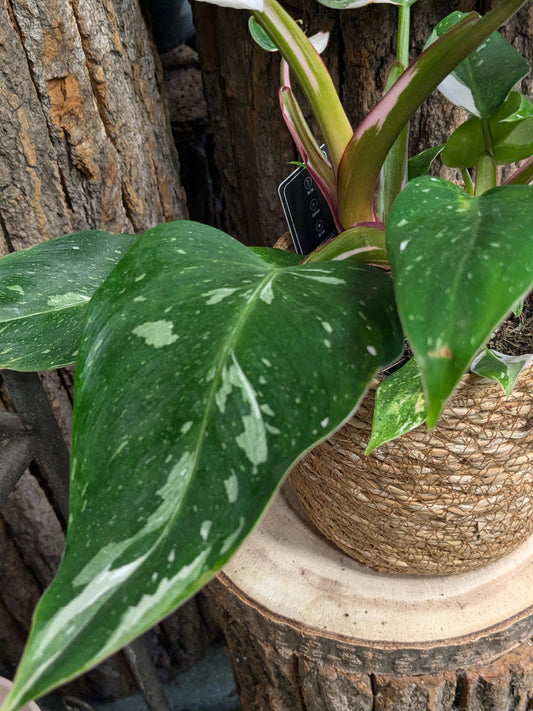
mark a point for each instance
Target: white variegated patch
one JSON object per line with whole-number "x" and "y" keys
{"x": 238, "y": 4}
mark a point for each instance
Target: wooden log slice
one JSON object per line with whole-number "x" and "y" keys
{"x": 307, "y": 625}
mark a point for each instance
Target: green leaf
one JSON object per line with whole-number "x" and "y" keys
{"x": 502, "y": 368}
{"x": 421, "y": 163}
{"x": 44, "y": 294}
{"x": 518, "y": 307}
{"x": 516, "y": 107}
{"x": 365, "y": 153}
{"x": 260, "y": 36}
{"x": 460, "y": 263}
{"x": 512, "y": 141}
{"x": 399, "y": 406}
{"x": 204, "y": 373}
{"x": 482, "y": 82}
{"x": 465, "y": 146}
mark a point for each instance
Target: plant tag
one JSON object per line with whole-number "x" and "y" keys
{"x": 306, "y": 211}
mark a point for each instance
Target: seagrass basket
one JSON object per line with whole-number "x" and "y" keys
{"x": 429, "y": 503}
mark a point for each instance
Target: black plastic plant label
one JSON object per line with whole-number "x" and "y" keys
{"x": 306, "y": 211}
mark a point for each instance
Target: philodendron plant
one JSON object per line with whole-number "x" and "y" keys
{"x": 205, "y": 368}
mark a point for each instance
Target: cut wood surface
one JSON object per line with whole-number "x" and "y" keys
{"x": 309, "y": 628}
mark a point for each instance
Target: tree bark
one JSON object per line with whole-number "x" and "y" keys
{"x": 85, "y": 142}
{"x": 310, "y": 629}
{"x": 241, "y": 81}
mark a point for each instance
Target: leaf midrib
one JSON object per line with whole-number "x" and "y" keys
{"x": 222, "y": 359}
{"x": 35, "y": 314}
{"x": 165, "y": 530}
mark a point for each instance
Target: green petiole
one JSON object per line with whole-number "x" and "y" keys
{"x": 311, "y": 74}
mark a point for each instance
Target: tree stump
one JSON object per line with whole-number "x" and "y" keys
{"x": 309, "y": 629}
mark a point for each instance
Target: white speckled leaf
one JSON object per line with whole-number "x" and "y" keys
{"x": 44, "y": 294}
{"x": 482, "y": 82}
{"x": 205, "y": 371}
{"x": 502, "y": 368}
{"x": 460, "y": 263}
{"x": 399, "y": 406}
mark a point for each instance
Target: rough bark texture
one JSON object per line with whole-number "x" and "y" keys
{"x": 193, "y": 135}
{"x": 308, "y": 629}
{"x": 241, "y": 81}
{"x": 275, "y": 678}
{"x": 85, "y": 142}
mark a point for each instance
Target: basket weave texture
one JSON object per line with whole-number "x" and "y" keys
{"x": 429, "y": 503}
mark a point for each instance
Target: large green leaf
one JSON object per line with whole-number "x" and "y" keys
{"x": 513, "y": 140}
{"x": 421, "y": 163}
{"x": 465, "y": 146}
{"x": 482, "y": 82}
{"x": 460, "y": 264}
{"x": 44, "y": 294}
{"x": 204, "y": 373}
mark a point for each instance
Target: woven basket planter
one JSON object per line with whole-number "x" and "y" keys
{"x": 433, "y": 503}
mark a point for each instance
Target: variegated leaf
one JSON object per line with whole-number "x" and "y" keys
{"x": 44, "y": 294}
{"x": 205, "y": 371}
{"x": 399, "y": 405}
{"x": 460, "y": 264}
{"x": 502, "y": 368}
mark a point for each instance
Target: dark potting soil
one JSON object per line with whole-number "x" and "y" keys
{"x": 515, "y": 335}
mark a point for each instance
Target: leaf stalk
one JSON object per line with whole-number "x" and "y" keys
{"x": 311, "y": 74}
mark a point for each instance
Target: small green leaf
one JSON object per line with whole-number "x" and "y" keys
{"x": 512, "y": 141}
{"x": 204, "y": 373}
{"x": 44, "y": 294}
{"x": 482, "y": 82}
{"x": 260, "y": 36}
{"x": 421, "y": 163}
{"x": 465, "y": 146}
{"x": 518, "y": 307}
{"x": 365, "y": 153}
{"x": 516, "y": 107}
{"x": 399, "y": 407}
{"x": 502, "y": 368}
{"x": 460, "y": 264}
